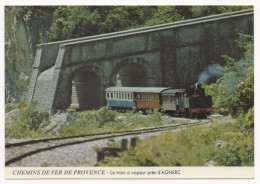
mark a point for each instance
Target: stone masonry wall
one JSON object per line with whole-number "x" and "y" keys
{"x": 174, "y": 54}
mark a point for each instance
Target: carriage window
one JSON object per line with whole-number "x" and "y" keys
{"x": 111, "y": 96}
{"x": 172, "y": 98}
{"x": 108, "y": 95}
{"x": 142, "y": 97}
{"x": 152, "y": 97}
{"x": 165, "y": 98}
{"x": 157, "y": 98}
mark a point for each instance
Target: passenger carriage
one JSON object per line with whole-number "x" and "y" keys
{"x": 134, "y": 97}
{"x": 148, "y": 97}
{"x": 173, "y": 100}
{"x": 120, "y": 97}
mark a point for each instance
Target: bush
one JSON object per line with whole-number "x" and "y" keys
{"x": 9, "y": 107}
{"x": 154, "y": 115}
{"x": 130, "y": 158}
{"x": 19, "y": 105}
{"x": 233, "y": 93}
{"x": 32, "y": 117}
{"x": 236, "y": 155}
{"x": 83, "y": 124}
{"x": 229, "y": 155}
{"x": 105, "y": 115}
{"x": 249, "y": 122}
{"x": 28, "y": 124}
{"x": 239, "y": 151}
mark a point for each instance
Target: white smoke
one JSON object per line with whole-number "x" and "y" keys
{"x": 214, "y": 70}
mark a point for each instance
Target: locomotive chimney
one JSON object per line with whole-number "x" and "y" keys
{"x": 196, "y": 87}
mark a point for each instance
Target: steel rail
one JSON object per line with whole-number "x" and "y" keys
{"x": 106, "y": 135}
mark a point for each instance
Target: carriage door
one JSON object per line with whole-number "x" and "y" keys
{"x": 172, "y": 102}
{"x": 169, "y": 103}
{"x": 180, "y": 102}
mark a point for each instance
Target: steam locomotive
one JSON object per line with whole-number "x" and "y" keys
{"x": 191, "y": 102}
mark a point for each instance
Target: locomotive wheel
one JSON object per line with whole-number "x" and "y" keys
{"x": 202, "y": 116}
{"x": 187, "y": 113}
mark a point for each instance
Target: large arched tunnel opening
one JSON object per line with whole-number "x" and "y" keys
{"x": 86, "y": 91}
{"x": 132, "y": 74}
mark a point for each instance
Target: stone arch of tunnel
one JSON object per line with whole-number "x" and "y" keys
{"x": 132, "y": 72}
{"x": 87, "y": 89}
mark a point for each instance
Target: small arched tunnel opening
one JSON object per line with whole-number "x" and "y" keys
{"x": 86, "y": 91}
{"x": 132, "y": 75}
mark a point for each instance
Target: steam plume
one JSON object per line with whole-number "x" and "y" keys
{"x": 214, "y": 70}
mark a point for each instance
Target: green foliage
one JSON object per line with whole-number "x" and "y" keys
{"x": 113, "y": 144}
{"x": 244, "y": 96}
{"x": 236, "y": 155}
{"x": 9, "y": 107}
{"x": 79, "y": 21}
{"x": 74, "y": 21}
{"x": 246, "y": 42}
{"x": 249, "y": 122}
{"x": 104, "y": 120}
{"x": 130, "y": 158}
{"x": 105, "y": 115}
{"x": 229, "y": 155}
{"x": 196, "y": 146}
{"x": 32, "y": 118}
{"x": 239, "y": 151}
{"x": 19, "y": 105}
{"x": 45, "y": 164}
{"x": 154, "y": 115}
{"x": 27, "y": 124}
{"x": 234, "y": 91}
{"x": 83, "y": 124}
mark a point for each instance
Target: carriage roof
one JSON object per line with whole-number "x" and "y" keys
{"x": 172, "y": 91}
{"x": 137, "y": 89}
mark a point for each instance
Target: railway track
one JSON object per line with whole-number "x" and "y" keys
{"x": 19, "y": 150}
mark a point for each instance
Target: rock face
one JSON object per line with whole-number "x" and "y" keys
{"x": 59, "y": 119}
{"x": 24, "y": 28}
